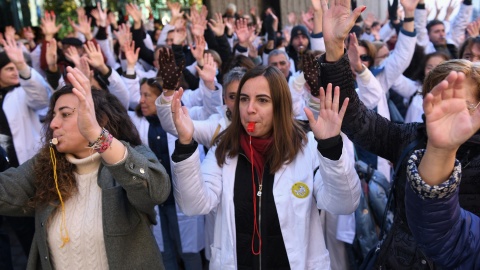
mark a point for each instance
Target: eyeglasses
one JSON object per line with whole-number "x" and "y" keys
{"x": 152, "y": 82}
{"x": 365, "y": 57}
{"x": 472, "y": 107}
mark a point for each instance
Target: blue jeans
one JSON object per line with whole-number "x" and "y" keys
{"x": 172, "y": 242}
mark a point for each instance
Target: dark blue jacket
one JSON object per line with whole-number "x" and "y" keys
{"x": 445, "y": 232}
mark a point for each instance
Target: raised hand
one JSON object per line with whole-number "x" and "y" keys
{"x": 353, "y": 54}
{"x": 51, "y": 55}
{"x": 135, "y": 13}
{"x": 95, "y": 57}
{"x": 123, "y": 35}
{"x": 252, "y": 50}
{"x": 131, "y": 54}
{"x": 198, "y": 24}
{"x": 217, "y": 26}
{"x": 9, "y": 32}
{"x": 409, "y": 7}
{"x": 48, "y": 26}
{"x": 204, "y": 13}
{"x": 80, "y": 12}
{"x": 169, "y": 71}
{"x": 181, "y": 119}
{"x": 175, "y": 12}
{"x": 112, "y": 20}
{"x": 449, "y": 123}
{"x": 84, "y": 26}
{"x": 180, "y": 34}
{"x": 258, "y": 25}
{"x": 243, "y": 32}
{"x": 229, "y": 23}
{"x": 307, "y": 19}
{"x": 286, "y": 34}
{"x": 150, "y": 12}
{"x": 198, "y": 49}
{"x": 14, "y": 53}
{"x": 84, "y": 67}
{"x": 317, "y": 16}
{"x": 208, "y": 72}
{"x": 275, "y": 19}
{"x": 72, "y": 55}
{"x": 316, "y": 5}
{"x": 376, "y": 33}
{"x": 437, "y": 9}
{"x": 194, "y": 15}
{"x": 292, "y": 18}
{"x": 368, "y": 21}
{"x": 29, "y": 36}
{"x": 86, "y": 120}
{"x": 337, "y": 22}
{"x": 330, "y": 118}
{"x": 253, "y": 36}
{"x": 450, "y": 8}
{"x": 473, "y": 28}
{"x": 100, "y": 15}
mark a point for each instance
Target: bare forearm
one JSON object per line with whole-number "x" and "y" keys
{"x": 317, "y": 22}
{"x": 409, "y": 26}
{"x": 333, "y": 52}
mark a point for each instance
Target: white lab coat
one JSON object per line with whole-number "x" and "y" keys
{"x": 335, "y": 188}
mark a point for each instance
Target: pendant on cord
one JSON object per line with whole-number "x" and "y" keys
{"x": 259, "y": 193}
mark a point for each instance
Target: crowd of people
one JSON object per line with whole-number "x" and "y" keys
{"x": 229, "y": 141}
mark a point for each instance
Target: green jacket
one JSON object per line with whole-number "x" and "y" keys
{"x": 130, "y": 191}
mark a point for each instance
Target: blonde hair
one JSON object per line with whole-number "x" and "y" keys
{"x": 440, "y": 72}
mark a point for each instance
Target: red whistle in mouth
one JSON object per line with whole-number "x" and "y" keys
{"x": 251, "y": 127}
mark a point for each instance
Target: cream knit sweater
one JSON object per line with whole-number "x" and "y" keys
{"x": 83, "y": 215}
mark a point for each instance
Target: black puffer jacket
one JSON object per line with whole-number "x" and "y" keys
{"x": 380, "y": 136}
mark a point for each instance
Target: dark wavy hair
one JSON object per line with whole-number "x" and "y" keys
{"x": 288, "y": 135}
{"x": 110, "y": 113}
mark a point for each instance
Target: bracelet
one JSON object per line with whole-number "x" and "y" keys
{"x": 410, "y": 19}
{"x": 103, "y": 142}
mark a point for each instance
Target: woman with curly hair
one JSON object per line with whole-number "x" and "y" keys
{"x": 92, "y": 187}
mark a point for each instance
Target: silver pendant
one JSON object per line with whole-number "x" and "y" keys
{"x": 259, "y": 193}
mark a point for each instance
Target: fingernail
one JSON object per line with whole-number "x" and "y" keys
{"x": 363, "y": 8}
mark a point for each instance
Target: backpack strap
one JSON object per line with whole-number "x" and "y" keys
{"x": 407, "y": 149}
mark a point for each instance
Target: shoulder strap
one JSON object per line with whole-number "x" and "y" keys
{"x": 407, "y": 149}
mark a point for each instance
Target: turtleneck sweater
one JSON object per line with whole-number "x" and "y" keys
{"x": 83, "y": 216}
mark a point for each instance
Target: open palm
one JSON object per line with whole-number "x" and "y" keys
{"x": 337, "y": 20}
{"x": 449, "y": 123}
{"x": 330, "y": 118}
{"x": 181, "y": 119}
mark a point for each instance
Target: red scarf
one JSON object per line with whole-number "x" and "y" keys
{"x": 260, "y": 147}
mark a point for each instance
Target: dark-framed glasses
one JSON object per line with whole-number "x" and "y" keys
{"x": 365, "y": 57}
{"x": 152, "y": 82}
